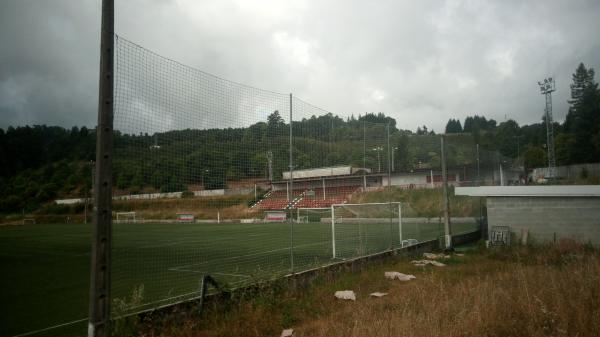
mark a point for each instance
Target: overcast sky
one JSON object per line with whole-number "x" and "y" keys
{"x": 422, "y": 62}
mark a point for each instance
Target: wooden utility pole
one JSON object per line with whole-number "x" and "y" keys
{"x": 99, "y": 316}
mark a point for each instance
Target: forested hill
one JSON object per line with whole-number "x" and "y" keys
{"x": 40, "y": 163}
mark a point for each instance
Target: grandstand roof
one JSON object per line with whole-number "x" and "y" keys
{"x": 325, "y": 172}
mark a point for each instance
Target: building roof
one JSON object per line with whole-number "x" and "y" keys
{"x": 325, "y": 172}
{"x": 531, "y": 191}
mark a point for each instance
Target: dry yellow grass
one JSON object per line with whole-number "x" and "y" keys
{"x": 421, "y": 202}
{"x": 229, "y": 207}
{"x": 553, "y": 291}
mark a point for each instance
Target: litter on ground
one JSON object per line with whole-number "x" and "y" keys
{"x": 423, "y": 263}
{"x": 345, "y": 295}
{"x": 287, "y": 333}
{"x": 378, "y": 294}
{"x": 393, "y": 275}
{"x": 433, "y": 256}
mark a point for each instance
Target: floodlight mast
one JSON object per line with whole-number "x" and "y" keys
{"x": 546, "y": 88}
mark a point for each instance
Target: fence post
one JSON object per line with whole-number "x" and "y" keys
{"x": 400, "y": 223}
{"x": 291, "y": 193}
{"x": 99, "y": 306}
{"x": 333, "y": 230}
{"x": 389, "y": 162}
{"x": 447, "y": 228}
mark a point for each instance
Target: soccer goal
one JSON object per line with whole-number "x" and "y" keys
{"x": 363, "y": 229}
{"x": 319, "y": 215}
{"x": 28, "y": 221}
{"x": 125, "y": 217}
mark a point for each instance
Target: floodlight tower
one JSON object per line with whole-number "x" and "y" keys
{"x": 546, "y": 88}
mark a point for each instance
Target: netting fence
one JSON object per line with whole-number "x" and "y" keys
{"x": 213, "y": 177}
{"x": 246, "y": 184}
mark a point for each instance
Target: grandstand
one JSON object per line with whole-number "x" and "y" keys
{"x": 326, "y": 186}
{"x": 318, "y": 187}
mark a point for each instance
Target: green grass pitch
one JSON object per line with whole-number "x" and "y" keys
{"x": 46, "y": 266}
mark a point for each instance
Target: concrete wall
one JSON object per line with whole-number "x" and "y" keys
{"x": 545, "y": 217}
{"x": 568, "y": 172}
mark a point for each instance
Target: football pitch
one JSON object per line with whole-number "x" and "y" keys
{"x": 46, "y": 266}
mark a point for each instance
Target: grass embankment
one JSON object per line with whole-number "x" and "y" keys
{"x": 422, "y": 202}
{"x": 417, "y": 203}
{"x": 552, "y": 291}
{"x": 228, "y": 207}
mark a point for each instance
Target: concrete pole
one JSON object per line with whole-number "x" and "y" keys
{"x": 100, "y": 278}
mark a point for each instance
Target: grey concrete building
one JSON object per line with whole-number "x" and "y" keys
{"x": 545, "y": 213}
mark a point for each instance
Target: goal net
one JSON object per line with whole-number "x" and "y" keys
{"x": 125, "y": 217}
{"x": 363, "y": 229}
{"x": 314, "y": 215}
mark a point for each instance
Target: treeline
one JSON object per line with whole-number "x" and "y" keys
{"x": 577, "y": 140}
{"x": 40, "y": 163}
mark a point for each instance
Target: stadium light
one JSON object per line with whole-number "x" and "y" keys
{"x": 546, "y": 89}
{"x": 378, "y": 149}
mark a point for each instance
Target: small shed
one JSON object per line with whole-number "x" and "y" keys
{"x": 542, "y": 213}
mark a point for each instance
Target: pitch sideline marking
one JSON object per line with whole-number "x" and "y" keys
{"x": 247, "y": 255}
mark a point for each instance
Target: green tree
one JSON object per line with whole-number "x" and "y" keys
{"x": 453, "y": 126}
{"x": 583, "y": 118}
{"x": 506, "y": 138}
{"x": 534, "y": 157}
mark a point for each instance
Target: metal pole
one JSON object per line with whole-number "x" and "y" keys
{"x": 333, "y": 230}
{"x": 291, "y": 193}
{"x": 446, "y": 202}
{"x": 400, "y": 223}
{"x": 364, "y": 156}
{"x": 389, "y": 157}
{"x": 99, "y": 306}
{"x": 323, "y": 188}
{"x": 393, "y": 168}
{"x": 432, "y": 183}
{"x": 478, "y": 176}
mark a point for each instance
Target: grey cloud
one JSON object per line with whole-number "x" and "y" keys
{"x": 421, "y": 62}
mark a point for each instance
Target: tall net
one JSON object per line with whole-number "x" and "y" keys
{"x": 216, "y": 177}
{"x": 192, "y": 154}
{"x": 242, "y": 184}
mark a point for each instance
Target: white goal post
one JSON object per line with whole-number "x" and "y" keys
{"x": 312, "y": 214}
{"x": 365, "y": 213}
{"x": 125, "y": 217}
